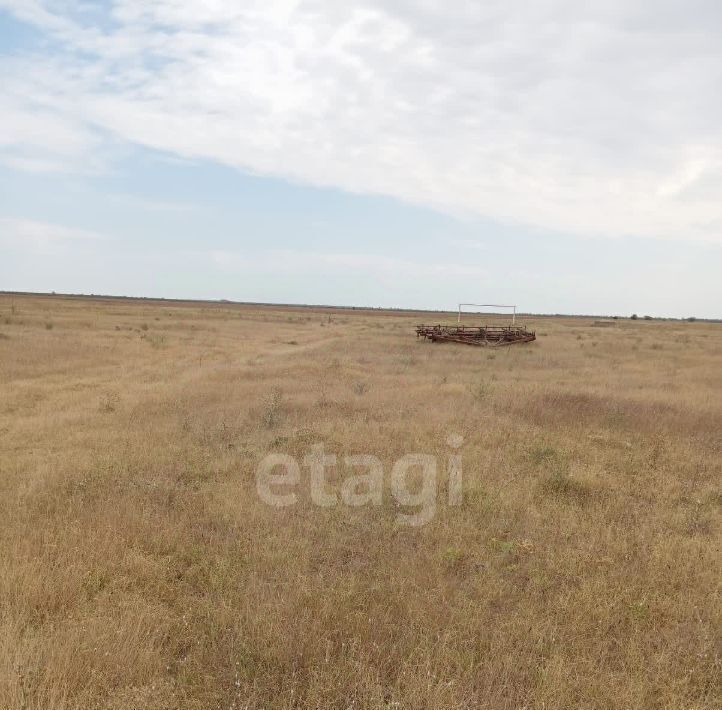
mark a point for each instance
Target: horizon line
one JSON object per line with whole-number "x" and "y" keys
{"x": 397, "y": 309}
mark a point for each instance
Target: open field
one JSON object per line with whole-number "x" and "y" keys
{"x": 139, "y": 568}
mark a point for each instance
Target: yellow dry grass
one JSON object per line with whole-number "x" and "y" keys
{"x": 139, "y": 569}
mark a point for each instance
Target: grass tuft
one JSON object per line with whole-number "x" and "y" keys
{"x": 272, "y": 408}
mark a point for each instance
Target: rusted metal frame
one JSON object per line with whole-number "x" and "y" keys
{"x": 485, "y": 336}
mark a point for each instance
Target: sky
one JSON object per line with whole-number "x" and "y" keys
{"x": 561, "y": 155}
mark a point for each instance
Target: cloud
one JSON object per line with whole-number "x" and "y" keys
{"x": 290, "y": 261}
{"x": 27, "y": 235}
{"x": 150, "y": 205}
{"x": 44, "y": 135}
{"x": 600, "y": 118}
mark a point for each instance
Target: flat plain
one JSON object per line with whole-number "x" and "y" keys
{"x": 140, "y": 569}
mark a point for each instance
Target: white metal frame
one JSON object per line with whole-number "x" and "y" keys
{"x": 488, "y": 305}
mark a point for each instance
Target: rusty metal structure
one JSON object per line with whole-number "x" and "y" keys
{"x": 492, "y": 336}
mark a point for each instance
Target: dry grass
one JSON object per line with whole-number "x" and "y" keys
{"x": 140, "y": 570}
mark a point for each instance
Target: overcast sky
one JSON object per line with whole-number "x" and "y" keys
{"x": 565, "y": 156}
